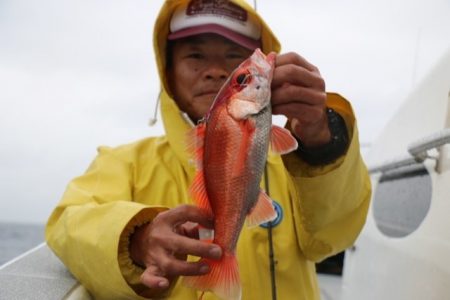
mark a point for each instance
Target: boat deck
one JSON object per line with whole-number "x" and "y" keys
{"x": 39, "y": 274}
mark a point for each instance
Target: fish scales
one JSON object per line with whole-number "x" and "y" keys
{"x": 231, "y": 155}
{"x": 223, "y": 144}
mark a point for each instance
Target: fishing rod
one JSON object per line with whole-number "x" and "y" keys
{"x": 269, "y": 225}
{"x": 270, "y": 238}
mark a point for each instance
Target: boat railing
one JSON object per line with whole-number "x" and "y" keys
{"x": 39, "y": 274}
{"x": 418, "y": 151}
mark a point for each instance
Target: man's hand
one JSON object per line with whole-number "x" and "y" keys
{"x": 298, "y": 92}
{"x": 162, "y": 247}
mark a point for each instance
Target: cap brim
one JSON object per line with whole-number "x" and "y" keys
{"x": 239, "y": 39}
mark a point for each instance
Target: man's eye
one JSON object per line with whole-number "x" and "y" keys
{"x": 195, "y": 55}
{"x": 235, "y": 56}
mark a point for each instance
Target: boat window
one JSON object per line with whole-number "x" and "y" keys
{"x": 402, "y": 200}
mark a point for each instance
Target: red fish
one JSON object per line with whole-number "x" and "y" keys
{"x": 231, "y": 146}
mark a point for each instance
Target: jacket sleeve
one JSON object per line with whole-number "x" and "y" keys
{"x": 89, "y": 229}
{"x": 331, "y": 201}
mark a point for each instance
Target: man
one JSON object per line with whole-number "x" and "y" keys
{"x": 124, "y": 227}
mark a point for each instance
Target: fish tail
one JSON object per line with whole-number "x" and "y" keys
{"x": 223, "y": 278}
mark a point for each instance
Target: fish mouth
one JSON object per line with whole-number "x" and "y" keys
{"x": 262, "y": 111}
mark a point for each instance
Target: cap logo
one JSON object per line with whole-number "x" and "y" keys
{"x": 216, "y": 7}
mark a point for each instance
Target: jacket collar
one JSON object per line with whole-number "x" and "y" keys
{"x": 177, "y": 129}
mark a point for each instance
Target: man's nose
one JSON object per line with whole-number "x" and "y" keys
{"x": 216, "y": 70}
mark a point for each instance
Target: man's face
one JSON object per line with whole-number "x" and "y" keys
{"x": 200, "y": 65}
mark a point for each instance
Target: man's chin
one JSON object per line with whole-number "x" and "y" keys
{"x": 205, "y": 102}
{"x": 208, "y": 98}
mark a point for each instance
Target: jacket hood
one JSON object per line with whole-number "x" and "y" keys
{"x": 176, "y": 126}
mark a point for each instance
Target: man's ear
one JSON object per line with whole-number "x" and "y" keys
{"x": 169, "y": 80}
{"x": 169, "y": 67}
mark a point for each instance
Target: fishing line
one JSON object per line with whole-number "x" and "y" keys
{"x": 269, "y": 231}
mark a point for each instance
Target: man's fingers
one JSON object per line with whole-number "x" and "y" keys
{"x": 152, "y": 278}
{"x": 156, "y": 276}
{"x": 189, "y": 229}
{"x": 174, "y": 267}
{"x": 298, "y": 95}
{"x": 172, "y": 241}
{"x": 304, "y": 113}
{"x": 296, "y": 75}
{"x": 184, "y": 245}
{"x": 294, "y": 58}
{"x": 185, "y": 213}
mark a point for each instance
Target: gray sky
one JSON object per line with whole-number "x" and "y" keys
{"x": 78, "y": 74}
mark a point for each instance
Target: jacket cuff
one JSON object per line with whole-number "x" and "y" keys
{"x": 131, "y": 271}
{"x": 299, "y": 167}
{"x": 331, "y": 151}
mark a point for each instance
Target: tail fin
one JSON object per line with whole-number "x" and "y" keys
{"x": 223, "y": 278}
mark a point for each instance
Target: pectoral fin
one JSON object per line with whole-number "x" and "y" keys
{"x": 282, "y": 141}
{"x": 262, "y": 212}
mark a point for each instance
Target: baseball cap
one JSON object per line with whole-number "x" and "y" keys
{"x": 216, "y": 16}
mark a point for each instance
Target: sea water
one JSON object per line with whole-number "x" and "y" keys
{"x": 17, "y": 238}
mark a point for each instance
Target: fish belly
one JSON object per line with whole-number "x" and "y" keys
{"x": 234, "y": 160}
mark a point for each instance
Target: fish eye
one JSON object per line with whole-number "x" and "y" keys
{"x": 243, "y": 78}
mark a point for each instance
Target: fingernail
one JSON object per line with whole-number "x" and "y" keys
{"x": 204, "y": 269}
{"x": 215, "y": 252}
{"x": 163, "y": 284}
{"x": 294, "y": 123}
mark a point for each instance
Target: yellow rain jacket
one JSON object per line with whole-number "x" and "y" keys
{"x": 324, "y": 207}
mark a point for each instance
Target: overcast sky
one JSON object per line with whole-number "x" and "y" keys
{"x": 78, "y": 74}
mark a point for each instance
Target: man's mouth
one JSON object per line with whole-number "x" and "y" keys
{"x": 209, "y": 93}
